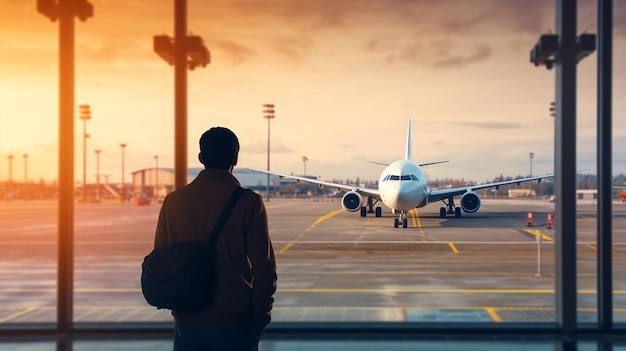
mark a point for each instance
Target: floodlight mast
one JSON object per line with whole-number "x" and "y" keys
{"x": 564, "y": 50}
{"x": 65, "y": 11}
{"x": 183, "y": 51}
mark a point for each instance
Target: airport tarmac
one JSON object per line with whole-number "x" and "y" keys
{"x": 489, "y": 266}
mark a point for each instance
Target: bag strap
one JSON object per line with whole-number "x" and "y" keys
{"x": 225, "y": 214}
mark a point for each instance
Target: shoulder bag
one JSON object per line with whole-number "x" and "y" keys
{"x": 182, "y": 276}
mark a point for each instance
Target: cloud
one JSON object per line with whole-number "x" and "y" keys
{"x": 441, "y": 54}
{"x": 478, "y": 53}
{"x": 294, "y": 48}
{"x": 235, "y": 52}
{"x": 489, "y": 125}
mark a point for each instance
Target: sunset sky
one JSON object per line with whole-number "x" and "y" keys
{"x": 344, "y": 76}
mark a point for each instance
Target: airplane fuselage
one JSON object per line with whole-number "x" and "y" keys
{"x": 402, "y": 186}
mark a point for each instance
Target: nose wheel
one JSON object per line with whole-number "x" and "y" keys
{"x": 401, "y": 220}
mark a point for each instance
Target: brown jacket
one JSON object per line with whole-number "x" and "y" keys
{"x": 246, "y": 265}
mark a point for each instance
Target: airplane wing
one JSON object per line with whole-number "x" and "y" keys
{"x": 364, "y": 191}
{"x": 440, "y": 194}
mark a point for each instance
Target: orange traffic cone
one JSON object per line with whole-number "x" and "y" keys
{"x": 530, "y": 219}
{"x": 549, "y": 220}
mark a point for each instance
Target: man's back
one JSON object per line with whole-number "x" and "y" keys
{"x": 245, "y": 262}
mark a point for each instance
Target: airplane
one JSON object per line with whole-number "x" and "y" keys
{"x": 402, "y": 186}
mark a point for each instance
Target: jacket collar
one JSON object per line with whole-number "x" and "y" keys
{"x": 217, "y": 175}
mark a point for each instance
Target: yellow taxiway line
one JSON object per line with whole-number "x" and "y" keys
{"x": 301, "y": 235}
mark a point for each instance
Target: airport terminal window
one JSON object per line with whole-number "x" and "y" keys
{"x": 334, "y": 266}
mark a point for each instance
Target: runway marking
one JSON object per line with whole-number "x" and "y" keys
{"x": 537, "y": 233}
{"x": 390, "y": 273}
{"x": 454, "y": 249}
{"x": 17, "y": 314}
{"x": 591, "y": 247}
{"x": 435, "y": 291}
{"x": 417, "y": 223}
{"x": 318, "y": 221}
{"x": 493, "y": 314}
{"x": 413, "y": 291}
{"x": 527, "y": 243}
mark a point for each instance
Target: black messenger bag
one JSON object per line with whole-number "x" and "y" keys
{"x": 182, "y": 276}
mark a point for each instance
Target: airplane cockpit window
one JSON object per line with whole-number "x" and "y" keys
{"x": 397, "y": 177}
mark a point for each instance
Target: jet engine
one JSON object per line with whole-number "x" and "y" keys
{"x": 351, "y": 201}
{"x": 470, "y": 202}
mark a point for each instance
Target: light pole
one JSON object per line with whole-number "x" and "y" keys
{"x": 268, "y": 113}
{"x": 156, "y": 176}
{"x": 304, "y": 159}
{"x": 123, "y": 146}
{"x": 531, "y": 156}
{"x": 65, "y": 11}
{"x": 183, "y": 51}
{"x": 25, "y": 156}
{"x": 85, "y": 115}
{"x": 98, "y": 174}
{"x": 10, "y": 157}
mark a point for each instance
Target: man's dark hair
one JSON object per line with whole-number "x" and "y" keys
{"x": 219, "y": 148}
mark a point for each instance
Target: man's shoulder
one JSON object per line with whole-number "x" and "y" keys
{"x": 182, "y": 193}
{"x": 250, "y": 200}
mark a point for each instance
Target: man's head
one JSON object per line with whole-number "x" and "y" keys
{"x": 219, "y": 148}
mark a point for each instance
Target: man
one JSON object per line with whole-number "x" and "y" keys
{"x": 246, "y": 278}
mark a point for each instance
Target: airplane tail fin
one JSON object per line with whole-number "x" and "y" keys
{"x": 408, "y": 155}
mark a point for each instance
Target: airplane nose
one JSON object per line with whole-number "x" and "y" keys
{"x": 405, "y": 200}
{"x": 401, "y": 198}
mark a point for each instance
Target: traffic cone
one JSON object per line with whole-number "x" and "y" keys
{"x": 530, "y": 219}
{"x": 549, "y": 220}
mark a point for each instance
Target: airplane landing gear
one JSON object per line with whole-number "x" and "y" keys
{"x": 449, "y": 209}
{"x": 378, "y": 212}
{"x": 401, "y": 220}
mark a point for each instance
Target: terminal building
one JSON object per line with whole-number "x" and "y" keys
{"x": 158, "y": 182}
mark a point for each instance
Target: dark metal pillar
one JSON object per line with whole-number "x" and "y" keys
{"x": 180, "y": 93}
{"x": 565, "y": 149}
{"x": 65, "y": 279}
{"x": 604, "y": 160}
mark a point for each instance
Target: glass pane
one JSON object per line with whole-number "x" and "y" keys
{"x": 490, "y": 266}
{"x": 335, "y": 266}
{"x": 28, "y": 238}
{"x": 28, "y": 346}
{"x": 619, "y": 208}
{"x": 619, "y": 253}
{"x": 586, "y": 226}
{"x": 112, "y": 237}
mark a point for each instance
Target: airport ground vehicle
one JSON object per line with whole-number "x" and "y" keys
{"x": 143, "y": 200}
